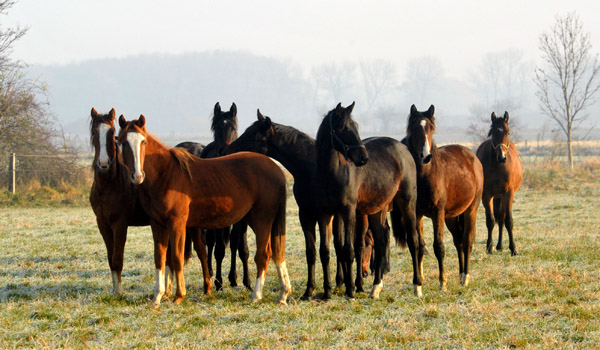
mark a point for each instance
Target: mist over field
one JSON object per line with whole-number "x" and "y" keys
{"x": 177, "y": 93}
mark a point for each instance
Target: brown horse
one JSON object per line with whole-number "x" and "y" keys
{"x": 503, "y": 174}
{"x": 115, "y": 203}
{"x": 176, "y": 189}
{"x": 449, "y": 184}
{"x": 362, "y": 179}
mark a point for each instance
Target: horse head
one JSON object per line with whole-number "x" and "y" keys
{"x": 419, "y": 133}
{"x": 102, "y": 138}
{"x": 255, "y": 138}
{"x": 132, "y": 139}
{"x": 340, "y": 132}
{"x": 499, "y": 133}
{"x": 224, "y": 125}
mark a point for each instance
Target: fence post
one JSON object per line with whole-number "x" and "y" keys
{"x": 13, "y": 172}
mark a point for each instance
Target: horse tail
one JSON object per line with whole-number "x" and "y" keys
{"x": 187, "y": 251}
{"x": 278, "y": 229}
{"x": 398, "y": 227}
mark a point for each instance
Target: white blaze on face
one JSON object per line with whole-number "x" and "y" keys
{"x": 103, "y": 159}
{"x": 426, "y": 146}
{"x": 135, "y": 142}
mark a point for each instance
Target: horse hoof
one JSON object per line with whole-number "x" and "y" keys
{"x": 418, "y": 290}
{"x": 218, "y": 285}
{"x": 464, "y": 279}
{"x": 499, "y": 248}
{"x": 514, "y": 253}
{"x": 443, "y": 287}
{"x": 178, "y": 300}
{"x": 376, "y": 291}
{"x": 327, "y": 295}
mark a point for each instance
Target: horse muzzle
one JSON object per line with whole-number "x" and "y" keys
{"x": 426, "y": 159}
{"x": 137, "y": 179}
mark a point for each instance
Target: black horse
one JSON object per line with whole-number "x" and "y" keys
{"x": 224, "y": 128}
{"x": 194, "y": 148}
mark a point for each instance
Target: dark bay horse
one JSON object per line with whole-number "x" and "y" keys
{"x": 450, "y": 185}
{"x": 361, "y": 179}
{"x": 297, "y": 152}
{"x": 224, "y": 128}
{"x": 503, "y": 174}
{"x": 194, "y": 148}
{"x": 177, "y": 189}
{"x": 115, "y": 202}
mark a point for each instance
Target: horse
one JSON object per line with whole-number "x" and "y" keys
{"x": 365, "y": 178}
{"x": 502, "y": 177}
{"x": 450, "y": 186}
{"x": 194, "y": 148}
{"x": 177, "y": 189}
{"x": 297, "y": 152}
{"x": 115, "y": 204}
{"x": 224, "y": 128}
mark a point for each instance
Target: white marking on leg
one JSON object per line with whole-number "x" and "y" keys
{"x": 103, "y": 159}
{"x": 135, "y": 140}
{"x": 168, "y": 282}
{"x": 377, "y": 288}
{"x": 465, "y": 278}
{"x": 422, "y": 276}
{"x": 117, "y": 289}
{"x": 159, "y": 288}
{"x": 258, "y": 287}
{"x": 418, "y": 291}
{"x": 284, "y": 283}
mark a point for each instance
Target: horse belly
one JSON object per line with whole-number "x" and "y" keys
{"x": 215, "y": 212}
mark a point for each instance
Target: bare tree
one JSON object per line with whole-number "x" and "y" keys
{"x": 570, "y": 78}
{"x": 422, "y": 76}
{"x": 501, "y": 82}
{"x": 335, "y": 79}
{"x": 379, "y": 77}
{"x": 27, "y": 127}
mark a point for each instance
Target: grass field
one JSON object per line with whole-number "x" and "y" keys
{"x": 55, "y": 287}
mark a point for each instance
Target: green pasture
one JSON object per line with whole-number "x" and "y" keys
{"x": 55, "y": 287}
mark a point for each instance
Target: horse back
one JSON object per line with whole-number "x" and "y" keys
{"x": 463, "y": 175}
{"x": 225, "y": 189}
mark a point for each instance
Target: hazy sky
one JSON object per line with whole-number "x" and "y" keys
{"x": 307, "y": 32}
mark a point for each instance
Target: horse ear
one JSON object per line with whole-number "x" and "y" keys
{"x": 350, "y": 108}
{"x": 338, "y": 108}
{"x": 431, "y": 111}
{"x": 259, "y": 115}
{"x": 112, "y": 114}
{"x": 141, "y": 121}
{"x": 506, "y": 116}
{"x": 217, "y": 109}
{"x": 268, "y": 123}
{"x": 233, "y": 109}
{"x": 494, "y": 116}
{"x": 122, "y": 121}
{"x": 94, "y": 113}
{"x": 413, "y": 109}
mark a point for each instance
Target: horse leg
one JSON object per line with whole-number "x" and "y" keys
{"x": 362, "y": 224}
{"x": 168, "y": 273}
{"x": 177, "y": 231}
{"x": 499, "y": 215}
{"x": 349, "y": 219}
{"x": 489, "y": 221}
{"x": 222, "y": 238}
{"x": 308, "y": 227}
{"x": 200, "y": 248}
{"x": 508, "y": 220}
{"x": 455, "y": 227}
{"x": 422, "y": 248}
{"x": 107, "y": 235}
{"x": 438, "y": 243}
{"x": 278, "y": 246}
{"x": 161, "y": 240}
{"x": 244, "y": 253}
{"x": 233, "y": 246}
{"x": 210, "y": 245}
{"x": 324, "y": 250}
{"x": 261, "y": 258}
{"x": 469, "y": 232}
{"x": 338, "y": 243}
{"x": 379, "y": 246}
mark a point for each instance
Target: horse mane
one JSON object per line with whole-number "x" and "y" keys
{"x": 290, "y": 135}
{"x": 183, "y": 158}
{"x": 322, "y": 141}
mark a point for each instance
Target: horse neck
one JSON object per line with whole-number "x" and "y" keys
{"x": 432, "y": 168}
{"x": 295, "y": 151}
{"x": 331, "y": 166}
{"x": 157, "y": 159}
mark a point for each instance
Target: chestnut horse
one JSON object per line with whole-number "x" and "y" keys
{"x": 450, "y": 184}
{"x": 224, "y": 128}
{"x": 176, "y": 189}
{"x": 362, "y": 179}
{"x": 503, "y": 174}
{"x": 115, "y": 203}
